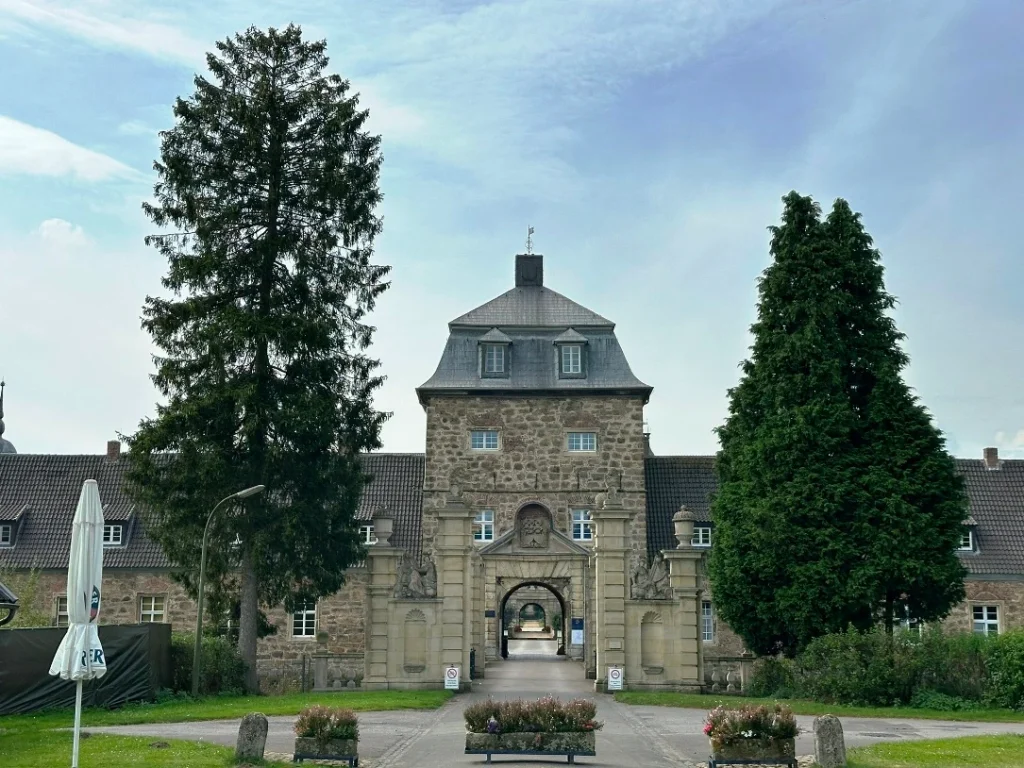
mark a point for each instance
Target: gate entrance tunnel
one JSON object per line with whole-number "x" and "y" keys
{"x": 533, "y": 622}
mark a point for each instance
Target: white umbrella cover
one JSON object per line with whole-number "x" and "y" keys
{"x": 80, "y": 655}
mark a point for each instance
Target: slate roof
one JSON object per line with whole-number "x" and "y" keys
{"x": 532, "y": 306}
{"x": 996, "y": 507}
{"x": 45, "y": 490}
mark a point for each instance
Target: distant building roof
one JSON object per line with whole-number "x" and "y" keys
{"x": 531, "y": 307}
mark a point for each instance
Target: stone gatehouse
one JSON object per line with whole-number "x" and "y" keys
{"x": 538, "y": 485}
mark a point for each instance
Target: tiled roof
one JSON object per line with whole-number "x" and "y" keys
{"x": 532, "y": 366}
{"x": 996, "y": 507}
{"x": 532, "y": 306}
{"x": 49, "y": 485}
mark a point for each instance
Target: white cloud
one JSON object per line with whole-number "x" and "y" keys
{"x": 136, "y": 128}
{"x": 1010, "y": 442}
{"x": 27, "y": 150}
{"x": 61, "y": 234}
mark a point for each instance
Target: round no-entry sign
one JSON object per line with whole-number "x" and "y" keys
{"x": 452, "y": 672}
{"x": 615, "y": 678}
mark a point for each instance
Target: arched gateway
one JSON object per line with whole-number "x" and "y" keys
{"x": 533, "y": 477}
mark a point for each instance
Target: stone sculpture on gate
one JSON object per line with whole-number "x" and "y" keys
{"x": 650, "y": 582}
{"x": 416, "y": 581}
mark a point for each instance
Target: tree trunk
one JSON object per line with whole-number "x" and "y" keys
{"x": 888, "y": 618}
{"x": 248, "y": 622}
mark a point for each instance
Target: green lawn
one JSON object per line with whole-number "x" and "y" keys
{"x": 967, "y": 752}
{"x": 228, "y": 707}
{"x": 800, "y": 707}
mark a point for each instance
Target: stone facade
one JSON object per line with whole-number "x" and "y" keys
{"x": 1006, "y": 595}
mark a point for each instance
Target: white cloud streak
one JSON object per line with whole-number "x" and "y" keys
{"x": 27, "y": 150}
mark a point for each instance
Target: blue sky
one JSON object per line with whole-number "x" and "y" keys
{"x": 649, "y": 144}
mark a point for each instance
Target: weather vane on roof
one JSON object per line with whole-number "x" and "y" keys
{"x": 529, "y": 240}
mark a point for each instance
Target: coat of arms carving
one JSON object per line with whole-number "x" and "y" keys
{"x": 534, "y": 528}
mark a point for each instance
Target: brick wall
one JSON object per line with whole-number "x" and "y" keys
{"x": 533, "y": 463}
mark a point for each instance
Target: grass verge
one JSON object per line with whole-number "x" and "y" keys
{"x": 228, "y": 707}
{"x": 1005, "y": 751}
{"x": 801, "y": 707}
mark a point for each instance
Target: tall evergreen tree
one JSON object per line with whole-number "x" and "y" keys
{"x": 837, "y": 501}
{"x": 268, "y": 182}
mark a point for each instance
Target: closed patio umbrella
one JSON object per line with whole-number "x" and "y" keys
{"x": 80, "y": 655}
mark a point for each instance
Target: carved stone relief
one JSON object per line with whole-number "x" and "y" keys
{"x": 534, "y": 528}
{"x": 416, "y": 581}
{"x": 650, "y": 582}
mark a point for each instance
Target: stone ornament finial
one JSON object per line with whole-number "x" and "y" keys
{"x": 682, "y": 524}
{"x": 383, "y": 527}
{"x": 610, "y": 499}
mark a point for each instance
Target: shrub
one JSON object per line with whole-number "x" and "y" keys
{"x": 728, "y": 725}
{"x": 1005, "y": 662}
{"x": 327, "y": 724}
{"x": 953, "y": 664}
{"x": 222, "y": 669}
{"x": 773, "y": 677}
{"x": 926, "y": 699}
{"x": 547, "y": 715}
{"x": 870, "y": 668}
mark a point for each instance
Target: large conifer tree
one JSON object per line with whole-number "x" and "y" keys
{"x": 837, "y": 501}
{"x": 268, "y": 184}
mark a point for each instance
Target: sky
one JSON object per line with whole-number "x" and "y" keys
{"x": 648, "y": 143}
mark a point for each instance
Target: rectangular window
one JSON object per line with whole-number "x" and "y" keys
{"x": 701, "y": 536}
{"x": 483, "y": 526}
{"x": 494, "y": 359}
{"x": 986, "y": 619}
{"x": 582, "y": 525}
{"x": 6, "y": 535}
{"x": 304, "y": 621}
{"x": 366, "y": 535}
{"x": 707, "y": 622}
{"x": 967, "y": 540}
{"x": 151, "y": 609}
{"x": 572, "y": 359}
{"x": 583, "y": 442}
{"x": 483, "y": 439}
{"x": 62, "y": 611}
{"x": 112, "y": 535}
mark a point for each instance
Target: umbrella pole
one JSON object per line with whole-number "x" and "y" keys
{"x": 78, "y": 724}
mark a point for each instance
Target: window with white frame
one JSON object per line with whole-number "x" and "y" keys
{"x": 986, "y": 619}
{"x": 701, "y": 536}
{"x": 62, "y": 611}
{"x": 304, "y": 621}
{"x": 484, "y": 440}
{"x": 6, "y": 534}
{"x": 582, "y": 442}
{"x": 966, "y": 541}
{"x": 113, "y": 535}
{"x": 707, "y": 622}
{"x": 582, "y": 525}
{"x": 151, "y": 609}
{"x": 483, "y": 525}
{"x": 494, "y": 359}
{"x": 366, "y": 535}
{"x": 572, "y": 359}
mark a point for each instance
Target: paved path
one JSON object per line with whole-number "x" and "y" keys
{"x": 632, "y": 736}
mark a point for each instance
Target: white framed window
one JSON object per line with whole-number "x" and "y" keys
{"x": 151, "y": 609}
{"x": 494, "y": 359}
{"x": 986, "y": 619}
{"x": 572, "y": 359}
{"x": 484, "y": 440}
{"x": 910, "y": 624}
{"x": 61, "y": 613}
{"x": 113, "y": 535}
{"x": 483, "y": 525}
{"x": 366, "y": 535}
{"x": 707, "y": 622}
{"x": 6, "y": 534}
{"x": 966, "y": 541}
{"x": 582, "y": 525}
{"x": 582, "y": 442}
{"x": 701, "y": 536}
{"x": 304, "y": 621}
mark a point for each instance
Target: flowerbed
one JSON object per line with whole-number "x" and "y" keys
{"x": 545, "y": 726}
{"x": 327, "y": 733}
{"x": 751, "y": 732}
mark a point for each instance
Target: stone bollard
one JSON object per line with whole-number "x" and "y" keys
{"x": 252, "y": 738}
{"x": 829, "y": 746}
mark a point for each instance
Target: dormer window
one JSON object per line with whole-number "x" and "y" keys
{"x": 113, "y": 535}
{"x": 6, "y": 535}
{"x": 495, "y": 357}
{"x": 571, "y": 355}
{"x": 966, "y": 541}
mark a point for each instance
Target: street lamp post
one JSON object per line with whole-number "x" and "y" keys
{"x": 197, "y": 652}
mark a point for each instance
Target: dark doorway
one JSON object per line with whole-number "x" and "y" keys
{"x": 528, "y": 629}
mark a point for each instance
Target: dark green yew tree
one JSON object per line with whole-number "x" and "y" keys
{"x": 266, "y": 191}
{"x": 837, "y": 503}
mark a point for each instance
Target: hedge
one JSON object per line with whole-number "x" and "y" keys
{"x": 221, "y": 668}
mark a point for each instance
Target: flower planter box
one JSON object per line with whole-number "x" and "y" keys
{"x": 342, "y": 750}
{"x": 754, "y": 752}
{"x": 568, "y": 744}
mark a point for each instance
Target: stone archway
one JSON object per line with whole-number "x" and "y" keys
{"x": 560, "y": 633}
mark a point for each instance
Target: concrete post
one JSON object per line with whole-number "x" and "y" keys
{"x": 611, "y": 550}
{"x": 454, "y": 548}
{"x": 382, "y": 562}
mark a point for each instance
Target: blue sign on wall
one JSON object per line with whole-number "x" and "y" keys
{"x": 489, "y": 613}
{"x": 577, "y": 624}
{"x": 576, "y": 636}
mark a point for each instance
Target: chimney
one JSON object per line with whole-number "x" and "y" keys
{"x": 992, "y": 458}
{"x": 113, "y": 450}
{"x": 529, "y": 270}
